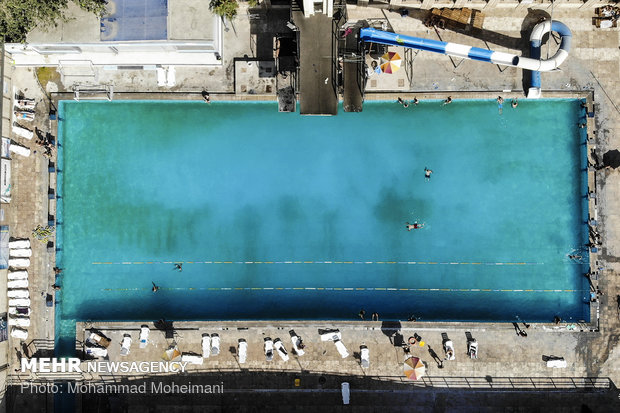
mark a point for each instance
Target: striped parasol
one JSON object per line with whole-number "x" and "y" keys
{"x": 390, "y": 62}
{"x": 414, "y": 368}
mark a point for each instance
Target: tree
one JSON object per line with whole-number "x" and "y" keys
{"x": 224, "y": 8}
{"x": 19, "y": 17}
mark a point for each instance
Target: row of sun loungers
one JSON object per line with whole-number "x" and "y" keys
{"x": 19, "y": 254}
{"x": 97, "y": 344}
{"x": 17, "y": 148}
{"x": 23, "y": 109}
{"x": 17, "y": 285}
{"x": 210, "y": 345}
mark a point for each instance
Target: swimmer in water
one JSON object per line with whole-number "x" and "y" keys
{"x": 427, "y": 174}
{"x": 415, "y": 225}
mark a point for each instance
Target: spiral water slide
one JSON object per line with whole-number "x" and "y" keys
{"x": 534, "y": 63}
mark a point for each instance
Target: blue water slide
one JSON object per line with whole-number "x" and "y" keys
{"x": 534, "y": 63}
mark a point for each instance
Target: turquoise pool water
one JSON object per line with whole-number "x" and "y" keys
{"x": 279, "y": 216}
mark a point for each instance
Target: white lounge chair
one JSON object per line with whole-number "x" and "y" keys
{"x": 341, "y": 349}
{"x": 346, "y": 392}
{"x": 20, "y": 252}
{"x": 215, "y": 344}
{"x": 206, "y": 345}
{"x": 96, "y": 351}
{"x": 126, "y": 344}
{"x": 448, "y": 347}
{"x": 161, "y": 76}
{"x": 171, "y": 79}
{"x": 242, "y": 350}
{"x": 23, "y": 132}
{"x": 364, "y": 356}
{"x": 20, "y": 243}
{"x": 268, "y": 349}
{"x": 557, "y": 362}
{"x": 23, "y": 311}
{"x": 19, "y": 302}
{"x": 22, "y": 115}
{"x": 22, "y": 293}
{"x": 277, "y": 344}
{"x": 191, "y": 358}
{"x": 99, "y": 340}
{"x": 17, "y": 284}
{"x": 20, "y": 150}
{"x": 17, "y": 275}
{"x": 144, "y": 336}
{"x": 297, "y": 344}
{"x": 19, "y": 333}
{"x": 24, "y": 104}
{"x": 19, "y": 321}
{"x": 19, "y": 262}
{"x": 472, "y": 348}
{"x": 331, "y": 336}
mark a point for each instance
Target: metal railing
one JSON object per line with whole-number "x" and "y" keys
{"x": 475, "y": 383}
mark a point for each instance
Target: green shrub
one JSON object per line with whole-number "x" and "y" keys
{"x": 224, "y": 8}
{"x": 18, "y": 17}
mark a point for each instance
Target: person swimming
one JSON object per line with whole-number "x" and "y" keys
{"x": 415, "y": 225}
{"x": 500, "y": 104}
{"x": 155, "y": 288}
{"x": 447, "y": 101}
{"x": 427, "y": 174}
{"x": 178, "y": 267}
{"x": 514, "y": 103}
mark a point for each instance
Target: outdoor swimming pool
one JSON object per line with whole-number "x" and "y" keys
{"x": 279, "y": 216}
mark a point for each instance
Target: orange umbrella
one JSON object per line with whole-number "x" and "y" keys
{"x": 414, "y": 368}
{"x": 390, "y": 62}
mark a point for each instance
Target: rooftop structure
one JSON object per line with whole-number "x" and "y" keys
{"x": 132, "y": 33}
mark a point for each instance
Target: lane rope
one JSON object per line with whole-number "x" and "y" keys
{"x": 348, "y": 289}
{"x": 313, "y": 262}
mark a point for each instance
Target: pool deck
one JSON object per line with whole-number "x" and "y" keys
{"x": 593, "y": 65}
